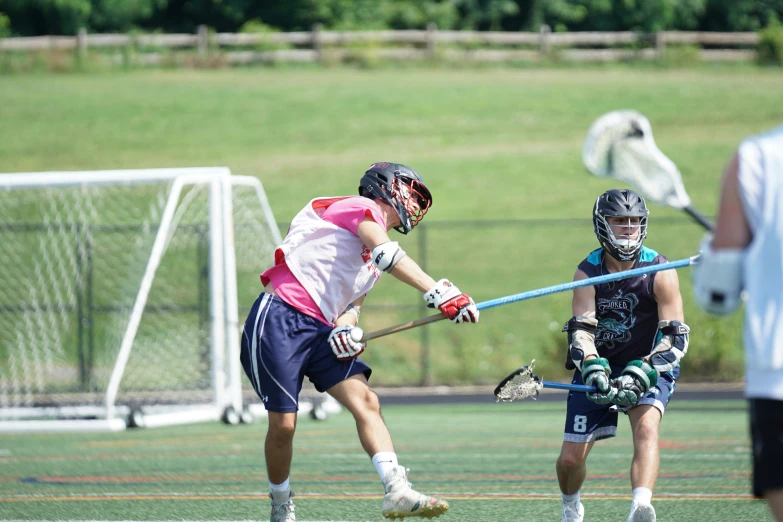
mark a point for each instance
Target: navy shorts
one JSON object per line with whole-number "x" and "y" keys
{"x": 280, "y": 346}
{"x": 587, "y": 421}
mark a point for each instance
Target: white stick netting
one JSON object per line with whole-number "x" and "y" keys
{"x": 521, "y": 384}
{"x": 620, "y": 145}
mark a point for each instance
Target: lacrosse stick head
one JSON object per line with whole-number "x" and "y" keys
{"x": 620, "y": 145}
{"x": 520, "y": 384}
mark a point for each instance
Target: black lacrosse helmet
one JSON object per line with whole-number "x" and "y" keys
{"x": 620, "y": 203}
{"x": 402, "y": 188}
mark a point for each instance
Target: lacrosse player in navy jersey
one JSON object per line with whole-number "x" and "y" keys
{"x": 626, "y": 338}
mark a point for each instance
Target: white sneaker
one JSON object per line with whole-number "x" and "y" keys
{"x": 573, "y": 515}
{"x": 283, "y": 512}
{"x": 641, "y": 513}
{"x": 401, "y": 500}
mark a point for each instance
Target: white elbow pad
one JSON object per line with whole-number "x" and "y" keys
{"x": 717, "y": 278}
{"x": 386, "y": 255}
{"x": 671, "y": 347}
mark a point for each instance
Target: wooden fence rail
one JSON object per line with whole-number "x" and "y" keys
{"x": 410, "y": 44}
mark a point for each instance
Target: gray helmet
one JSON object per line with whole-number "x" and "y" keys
{"x": 620, "y": 203}
{"x": 398, "y": 186}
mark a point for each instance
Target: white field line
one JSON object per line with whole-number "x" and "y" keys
{"x": 358, "y": 495}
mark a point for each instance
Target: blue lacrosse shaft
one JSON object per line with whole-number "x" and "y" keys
{"x": 570, "y": 387}
{"x": 590, "y": 281}
{"x": 524, "y": 296}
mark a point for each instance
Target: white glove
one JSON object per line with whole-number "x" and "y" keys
{"x": 452, "y": 303}
{"x": 345, "y": 341}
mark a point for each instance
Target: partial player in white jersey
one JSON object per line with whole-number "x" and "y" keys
{"x": 746, "y": 253}
{"x": 305, "y": 324}
{"x": 626, "y": 338}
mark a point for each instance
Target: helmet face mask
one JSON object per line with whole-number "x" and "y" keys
{"x": 620, "y": 223}
{"x": 402, "y": 188}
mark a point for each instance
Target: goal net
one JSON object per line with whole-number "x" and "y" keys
{"x": 118, "y": 295}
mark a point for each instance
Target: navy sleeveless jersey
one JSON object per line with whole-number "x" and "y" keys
{"x": 626, "y": 310}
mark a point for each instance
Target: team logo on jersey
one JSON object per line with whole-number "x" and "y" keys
{"x": 366, "y": 256}
{"x": 617, "y": 319}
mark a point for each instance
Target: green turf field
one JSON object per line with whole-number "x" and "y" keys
{"x": 493, "y": 145}
{"x": 494, "y": 462}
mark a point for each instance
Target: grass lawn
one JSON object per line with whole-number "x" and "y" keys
{"x": 493, "y": 145}
{"x": 493, "y": 462}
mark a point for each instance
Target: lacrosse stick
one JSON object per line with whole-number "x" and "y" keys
{"x": 620, "y": 145}
{"x": 524, "y": 296}
{"x": 523, "y": 383}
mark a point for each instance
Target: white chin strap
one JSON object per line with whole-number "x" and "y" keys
{"x": 627, "y": 246}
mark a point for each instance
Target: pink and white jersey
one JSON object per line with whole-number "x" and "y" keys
{"x": 322, "y": 265}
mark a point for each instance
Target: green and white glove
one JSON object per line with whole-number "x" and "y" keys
{"x": 595, "y": 372}
{"x": 637, "y": 378}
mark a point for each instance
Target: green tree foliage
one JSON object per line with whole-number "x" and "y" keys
{"x": 486, "y": 14}
{"x": 5, "y": 25}
{"x": 771, "y": 44}
{"x": 32, "y": 17}
{"x": 617, "y": 15}
{"x": 416, "y": 14}
{"x": 120, "y": 15}
{"x": 741, "y": 15}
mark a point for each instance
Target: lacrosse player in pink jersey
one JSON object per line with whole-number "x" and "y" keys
{"x": 302, "y": 324}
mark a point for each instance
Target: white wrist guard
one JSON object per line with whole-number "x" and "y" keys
{"x": 717, "y": 278}
{"x": 353, "y": 310}
{"x": 672, "y": 346}
{"x": 386, "y": 255}
{"x": 581, "y": 338}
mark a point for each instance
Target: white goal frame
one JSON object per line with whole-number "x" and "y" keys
{"x": 226, "y": 375}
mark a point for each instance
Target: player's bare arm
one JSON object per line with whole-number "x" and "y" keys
{"x": 673, "y": 334}
{"x": 667, "y": 293}
{"x": 583, "y": 302}
{"x": 404, "y": 268}
{"x": 732, "y": 229}
{"x": 389, "y": 257}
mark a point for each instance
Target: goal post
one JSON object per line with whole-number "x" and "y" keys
{"x": 119, "y": 295}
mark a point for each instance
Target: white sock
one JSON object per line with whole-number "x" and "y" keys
{"x": 571, "y": 499}
{"x": 383, "y": 462}
{"x": 280, "y": 492}
{"x": 642, "y": 496}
